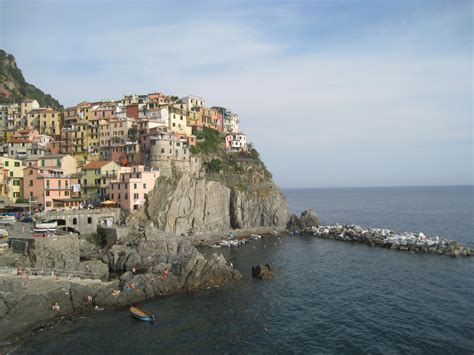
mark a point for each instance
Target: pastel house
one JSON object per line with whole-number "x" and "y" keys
{"x": 130, "y": 189}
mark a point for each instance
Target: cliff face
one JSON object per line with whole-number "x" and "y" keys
{"x": 210, "y": 202}
{"x": 12, "y": 82}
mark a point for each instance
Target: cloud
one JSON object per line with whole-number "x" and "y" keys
{"x": 354, "y": 97}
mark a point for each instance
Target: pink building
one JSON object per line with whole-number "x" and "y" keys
{"x": 48, "y": 186}
{"x": 129, "y": 190}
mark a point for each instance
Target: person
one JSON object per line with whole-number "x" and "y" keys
{"x": 134, "y": 270}
{"x": 55, "y": 306}
{"x": 165, "y": 273}
{"x": 89, "y": 298}
{"x": 115, "y": 292}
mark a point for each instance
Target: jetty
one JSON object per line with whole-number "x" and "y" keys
{"x": 385, "y": 238}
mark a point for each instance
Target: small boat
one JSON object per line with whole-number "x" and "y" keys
{"x": 46, "y": 225}
{"x": 140, "y": 314}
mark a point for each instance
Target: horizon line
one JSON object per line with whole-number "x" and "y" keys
{"x": 373, "y": 187}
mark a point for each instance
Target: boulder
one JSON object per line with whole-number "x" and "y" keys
{"x": 293, "y": 223}
{"x": 262, "y": 272}
{"x": 94, "y": 269}
{"x": 87, "y": 249}
{"x": 309, "y": 219}
{"x": 60, "y": 252}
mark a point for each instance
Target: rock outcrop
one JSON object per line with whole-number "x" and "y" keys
{"x": 262, "y": 272}
{"x": 307, "y": 220}
{"x": 186, "y": 204}
{"x": 152, "y": 263}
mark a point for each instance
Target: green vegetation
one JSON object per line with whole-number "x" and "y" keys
{"x": 21, "y": 200}
{"x": 214, "y": 166}
{"x": 209, "y": 141}
{"x": 11, "y": 78}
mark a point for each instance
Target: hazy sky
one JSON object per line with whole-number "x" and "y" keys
{"x": 332, "y": 93}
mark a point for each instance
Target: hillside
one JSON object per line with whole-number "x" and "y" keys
{"x": 12, "y": 80}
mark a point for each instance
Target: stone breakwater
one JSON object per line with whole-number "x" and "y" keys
{"x": 385, "y": 238}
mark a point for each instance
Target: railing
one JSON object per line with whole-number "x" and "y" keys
{"x": 5, "y": 270}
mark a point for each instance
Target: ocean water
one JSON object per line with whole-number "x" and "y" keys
{"x": 326, "y": 297}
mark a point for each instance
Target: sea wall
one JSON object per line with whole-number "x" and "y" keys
{"x": 385, "y": 238}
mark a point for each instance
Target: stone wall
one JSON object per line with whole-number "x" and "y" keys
{"x": 84, "y": 221}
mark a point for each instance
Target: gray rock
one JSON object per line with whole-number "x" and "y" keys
{"x": 60, "y": 252}
{"x": 293, "y": 223}
{"x": 187, "y": 204}
{"x": 262, "y": 272}
{"x": 94, "y": 269}
{"x": 309, "y": 219}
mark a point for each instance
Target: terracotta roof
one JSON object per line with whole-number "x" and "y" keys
{"x": 97, "y": 164}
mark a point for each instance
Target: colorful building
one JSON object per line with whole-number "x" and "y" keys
{"x": 12, "y": 178}
{"x": 130, "y": 189}
{"x": 96, "y": 177}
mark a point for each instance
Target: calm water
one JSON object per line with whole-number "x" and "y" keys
{"x": 326, "y": 297}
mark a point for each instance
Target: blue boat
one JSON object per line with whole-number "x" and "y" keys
{"x": 142, "y": 315}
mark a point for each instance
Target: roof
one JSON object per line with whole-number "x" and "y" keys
{"x": 97, "y": 164}
{"x": 54, "y": 156}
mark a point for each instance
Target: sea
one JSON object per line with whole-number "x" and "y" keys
{"x": 326, "y": 297}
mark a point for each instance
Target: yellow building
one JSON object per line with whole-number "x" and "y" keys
{"x": 96, "y": 177}
{"x": 79, "y": 139}
{"x": 12, "y": 178}
{"x": 178, "y": 121}
{"x": 27, "y": 106}
{"x": 50, "y": 122}
{"x": 64, "y": 162}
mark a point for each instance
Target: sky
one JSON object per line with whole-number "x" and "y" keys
{"x": 331, "y": 93}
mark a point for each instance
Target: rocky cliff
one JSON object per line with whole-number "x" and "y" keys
{"x": 238, "y": 194}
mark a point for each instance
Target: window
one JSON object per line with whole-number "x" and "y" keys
{"x": 16, "y": 194}
{"x": 134, "y": 186}
{"x": 31, "y": 183}
{"x": 16, "y": 182}
{"x": 17, "y": 164}
{"x": 47, "y": 192}
{"x": 11, "y": 173}
{"x": 48, "y": 204}
{"x": 89, "y": 220}
{"x": 126, "y": 196}
{"x": 66, "y": 193}
{"x": 58, "y": 162}
{"x": 144, "y": 186}
{"x": 6, "y": 163}
{"x": 74, "y": 220}
{"x": 136, "y": 196}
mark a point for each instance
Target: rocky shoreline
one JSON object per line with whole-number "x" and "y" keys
{"x": 147, "y": 264}
{"x": 385, "y": 238}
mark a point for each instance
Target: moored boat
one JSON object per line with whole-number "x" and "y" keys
{"x": 140, "y": 314}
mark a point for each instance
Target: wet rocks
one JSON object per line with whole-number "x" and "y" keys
{"x": 385, "y": 238}
{"x": 307, "y": 220}
{"x": 262, "y": 272}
